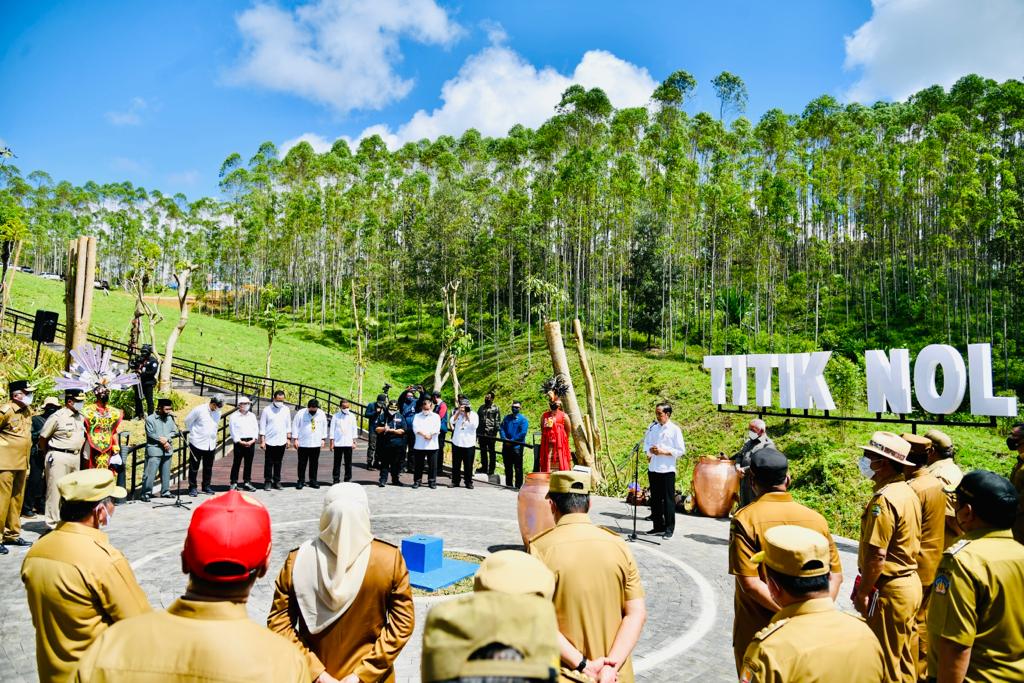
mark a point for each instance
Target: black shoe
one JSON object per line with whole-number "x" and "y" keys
{"x": 347, "y": 480}
{"x": 145, "y": 497}
{"x": 4, "y": 550}
{"x": 168, "y": 494}
{"x": 233, "y": 487}
{"x": 266, "y": 487}
{"x": 207, "y": 491}
{"x": 381, "y": 484}
{"x": 469, "y": 486}
{"x": 649, "y": 518}
{"x": 248, "y": 487}
{"x": 397, "y": 483}
{"x": 667, "y": 534}
{"x": 300, "y": 485}
{"x": 193, "y": 491}
{"x": 28, "y": 514}
{"x": 481, "y": 471}
{"x": 655, "y": 531}
{"x": 315, "y": 485}
{"x": 337, "y": 481}
{"x": 453, "y": 485}
{"x": 415, "y": 484}
{"x": 433, "y": 486}
{"x": 19, "y": 542}
{"x": 277, "y": 486}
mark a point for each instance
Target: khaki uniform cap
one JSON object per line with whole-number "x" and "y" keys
{"x": 513, "y": 571}
{"x": 939, "y": 438}
{"x": 569, "y": 481}
{"x": 917, "y": 443}
{"x": 794, "y": 551}
{"x": 458, "y": 628}
{"x": 51, "y": 401}
{"x": 889, "y": 445}
{"x": 90, "y": 485}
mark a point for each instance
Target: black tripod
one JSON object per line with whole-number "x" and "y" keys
{"x": 636, "y": 496}
{"x": 178, "y": 502}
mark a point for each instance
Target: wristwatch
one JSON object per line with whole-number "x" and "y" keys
{"x": 582, "y": 665}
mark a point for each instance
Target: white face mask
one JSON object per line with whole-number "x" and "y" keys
{"x": 279, "y": 404}
{"x": 864, "y": 465}
{"x": 27, "y": 400}
{"x": 244, "y": 408}
{"x": 752, "y": 434}
{"x": 78, "y": 406}
{"x": 104, "y": 522}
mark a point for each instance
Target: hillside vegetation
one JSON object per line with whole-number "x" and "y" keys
{"x": 823, "y": 453}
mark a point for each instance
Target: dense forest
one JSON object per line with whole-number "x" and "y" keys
{"x": 839, "y": 227}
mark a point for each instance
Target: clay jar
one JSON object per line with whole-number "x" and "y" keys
{"x": 715, "y": 485}
{"x": 534, "y": 512}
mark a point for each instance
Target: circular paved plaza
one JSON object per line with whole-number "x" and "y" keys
{"x": 689, "y": 593}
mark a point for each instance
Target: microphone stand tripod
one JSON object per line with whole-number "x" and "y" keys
{"x": 178, "y": 502}
{"x": 636, "y": 497}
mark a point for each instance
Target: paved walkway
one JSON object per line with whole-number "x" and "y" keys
{"x": 689, "y": 594}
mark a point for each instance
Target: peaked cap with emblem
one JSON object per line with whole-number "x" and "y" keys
{"x": 794, "y": 551}
{"x": 889, "y": 445}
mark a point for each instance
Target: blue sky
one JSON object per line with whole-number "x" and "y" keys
{"x": 159, "y": 93}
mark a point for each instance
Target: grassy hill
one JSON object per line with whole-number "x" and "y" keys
{"x": 823, "y": 453}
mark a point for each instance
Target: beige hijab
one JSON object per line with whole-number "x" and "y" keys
{"x": 330, "y": 568}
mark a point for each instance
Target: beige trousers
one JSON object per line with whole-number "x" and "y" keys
{"x": 895, "y": 624}
{"x": 58, "y": 464}
{"x": 12, "y": 493}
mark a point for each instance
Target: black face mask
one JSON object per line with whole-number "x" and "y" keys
{"x": 554, "y": 406}
{"x": 1012, "y": 443}
{"x": 515, "y": 409}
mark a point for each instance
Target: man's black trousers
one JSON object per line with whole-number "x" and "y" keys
{"x": 663, "y": 504}
{"x": 342, "y": 453}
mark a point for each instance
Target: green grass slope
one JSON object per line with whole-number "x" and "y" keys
{"x": 823, "y": 453}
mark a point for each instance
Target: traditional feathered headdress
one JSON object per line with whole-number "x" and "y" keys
{"x": 92, "y": 369}
{"x": 555, "y": 387}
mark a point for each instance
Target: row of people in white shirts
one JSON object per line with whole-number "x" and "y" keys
{"x": 426, "y": 426}
{"x": 275, "y": 426}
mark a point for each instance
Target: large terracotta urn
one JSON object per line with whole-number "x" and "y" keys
{"x": 715, "y": 485}
{"x": 534, "y": 512}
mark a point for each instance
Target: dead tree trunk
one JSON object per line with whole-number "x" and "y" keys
{"x": 584, "y": 453}
{"x": 360, "y": 361}
{"x": 7, "y": 280}
{"x": 81, "y": 277}
{"x": 181, "y": 278}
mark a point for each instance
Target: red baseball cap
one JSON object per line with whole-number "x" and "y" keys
{"x": 228, "y": 537}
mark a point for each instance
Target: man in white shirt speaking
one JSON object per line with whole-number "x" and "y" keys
{"x": 343, "y": 434}
{"x": 245, "y": 429}
{"x": 202, "y": 423}
{"x": 663, "y": 445}
{"x": 426, "y": 425}
{"x": 275, "y": 433}
{"x": 309, "y": 429}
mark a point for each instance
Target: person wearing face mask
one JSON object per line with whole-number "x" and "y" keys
{"x": 60, "y": 441}
{"x": 202, "y": 424}
{"x": 757, "y": 438}
{"x": 976, "y": 612}
{"x": 942, "y": 466}
{"x": 275, "y": 433}
{"x": 15, "y": 445}
{"x": 343, "y": 436}
{"x": 390, "y": 428}
{"x": 1015, "y": 442}
{"x": 808, "y": 638}
{"x": 161, "y": 431}
{"x": 464, "y": 425}
{"x": 245, "y": 429}
{"x": 309, "y": 430}
{"x": 76, "y": 582}
{"x": 487, "y": 433}
{"x": 35, "y": 488}
{"x": 663, "y": 446}
{"x": 753, "y": 603}
{"x": 102, "y": 423}
{"x": 555, "y": 429}
{"x": 888, "y": 591}
{"x": 514, "y": 429}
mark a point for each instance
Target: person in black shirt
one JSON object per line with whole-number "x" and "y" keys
{"x": 391, "y": 444}
{"x": 147, "y": 367}
{"x": 372, "y": 412}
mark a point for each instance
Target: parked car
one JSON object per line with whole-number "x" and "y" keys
{"x": 25, "y": 269}
{"x": 101, "y": 284}
{"x": 51, "y": 276}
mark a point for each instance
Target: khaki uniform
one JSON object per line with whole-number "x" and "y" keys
{"x": 892, "y": 522}
{"x": 933, "y": 527}
{"x": 813, "y": 642}
{"x": 194, "y": 640}
{"x": 365, "y": 640}
{"x": 746, "y": 538}
{"x": 976, "y": 602}
{"x": 950, "y": 474}
{"x": 15, "y": 446}
{"x": 65, "y": 434}
{"x": 595, "y": 575}
{"x": 77, "y": 585}
{"x": 1017, "y": 479}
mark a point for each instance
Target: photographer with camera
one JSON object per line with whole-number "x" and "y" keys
{"x": 372, "y": 412}
{"x": 487, "y": 433}
{"x": 147, "y": 367}
{"x": 464, "y": 425}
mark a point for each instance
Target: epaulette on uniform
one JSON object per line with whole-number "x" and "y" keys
{"x": 5, "y": 408}
{"x": 957, "y": 547}
{"x": 770, "y": 629}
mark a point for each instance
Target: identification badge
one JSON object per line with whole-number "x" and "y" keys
{"x": 941, "y": 585}
{"x": 876, "y": 509}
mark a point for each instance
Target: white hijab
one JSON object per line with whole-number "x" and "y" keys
{"x": 330, "y": 568}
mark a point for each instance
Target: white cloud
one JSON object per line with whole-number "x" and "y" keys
{"x": 126, "y": 165}
{"x": 337, "y": 52}
{"x": 129, "y": 117}
{"x": 319, "y": 143}
{"x": 187, "y": 178}
{"x": 497, "y": 88}
{"x": 908, "y": 45}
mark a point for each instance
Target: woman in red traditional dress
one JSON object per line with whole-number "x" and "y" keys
{"x": 555, "y": 428}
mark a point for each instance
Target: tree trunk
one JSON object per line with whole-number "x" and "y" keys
{"x": 588, "y": 380}
{"x": 81, "y": 276}
{"x": 553, "y": 334}
{"x": 172, "y": 339}
{"x": 360, "y": 362}
{"x": 8, "y": 281}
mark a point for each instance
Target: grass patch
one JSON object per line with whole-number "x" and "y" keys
{"x": 461, "y": 586}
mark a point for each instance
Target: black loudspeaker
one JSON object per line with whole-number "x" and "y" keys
{"x": 45, "y": 327}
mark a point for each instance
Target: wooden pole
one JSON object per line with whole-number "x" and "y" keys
{"x": 81, "y": 276}
{"x": 584, "y": 454}
{"x": 588, "y": 380}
